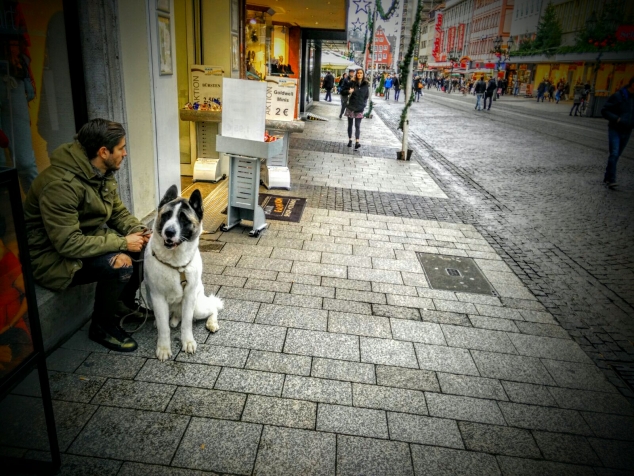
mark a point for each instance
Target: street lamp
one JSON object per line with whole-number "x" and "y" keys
{"x": 453, "y": 59}
{"x": 502, "y": 54}
{"x": 601, "y": 37}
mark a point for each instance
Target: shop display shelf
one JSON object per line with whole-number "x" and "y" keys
{"x": 249, "y": 148}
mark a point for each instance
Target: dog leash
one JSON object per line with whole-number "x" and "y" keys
{"x": 180, "y": 269}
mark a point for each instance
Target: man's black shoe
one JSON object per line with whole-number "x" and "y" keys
{"x": 112, "y": 337}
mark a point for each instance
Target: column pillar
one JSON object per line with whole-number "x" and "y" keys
{"x": 317, "y": 71}
{"x": 99, "y": 32}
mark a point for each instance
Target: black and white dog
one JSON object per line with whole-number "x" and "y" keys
{"x": 173, "y": 270}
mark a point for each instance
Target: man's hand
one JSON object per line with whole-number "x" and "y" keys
{"x": 136, "y": 241}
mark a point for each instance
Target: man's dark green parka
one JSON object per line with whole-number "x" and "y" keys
{"x": 72, "y": 212}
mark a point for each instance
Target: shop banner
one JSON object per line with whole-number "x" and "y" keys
{"x": 437, "y": 37}
{"x": 451, "y": 38}
{"x": 280, "y": 98}
{"x": 625, "y": 33}
{"x": 205, "y": 83}
{"x": 461, "y": 30}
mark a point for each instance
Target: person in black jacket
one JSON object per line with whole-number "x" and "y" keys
{"x": 359, "y": 93}
{"x": 490, "y": 91}
{"x": 396, "y": 84}
{"x": 479, "y": 89}
{"x": 619, "y": 111}
{"x": 344, "y": 87}
{"x": 328, "y": 84}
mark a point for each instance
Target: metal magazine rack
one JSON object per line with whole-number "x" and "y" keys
{"x": 244, "y": 179}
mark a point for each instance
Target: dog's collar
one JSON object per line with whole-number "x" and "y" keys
{"x": 180, "y": 269}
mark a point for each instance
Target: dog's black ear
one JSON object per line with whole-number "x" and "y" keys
{"x": 170, "y": 195}
{"x": 196, "y": 202}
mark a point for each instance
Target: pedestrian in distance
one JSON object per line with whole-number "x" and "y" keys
{"x": 328, "y": 84}
{"x": 551, "y": 92}
{"x": 480, "y": 88}
{"x": 359, "y": 92}
{"x": 541, "y": 90}
{"x": 387, "y": 85}
{"x": 418, "y": 88}
{"x": 576, "y": 100}
{"x": 490, "y": 91}
{"x": 344, "y": 87}
{"x": 396, "y": 84}
{"x": 619, "y": 111}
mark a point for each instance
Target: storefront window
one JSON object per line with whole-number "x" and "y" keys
{"x": 36, "y": 106}
{"x": 257, "y": 45}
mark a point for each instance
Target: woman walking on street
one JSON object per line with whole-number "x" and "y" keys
{"x": 359, "y": 93}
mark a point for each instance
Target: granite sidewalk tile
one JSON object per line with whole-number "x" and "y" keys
{"x": 343, "y": 370}
{"x": 290, "y": 452}
{"x": 389, "y": 398}
{"x": 352, "y": 421}
{"x": 464, "y": 408}
{"x": 501, "y": 440}
{"x": 317, "y": 390}
{"x": 250, "y": 381}
{"x": 280, "y": 412}
{"x": 445, "y": 359}
{"x": 207, "y": 403}
{"x": 219, "y": 445}
{"x": 478, "y": 387}
{"x": 322, "y": 344}
{"x": 357, "y": 456}
{"x": 388, "y": 352}
{"x": 447, "y": 462}
{"x": 424, "y": 430}
{"x": 132, "y": 435}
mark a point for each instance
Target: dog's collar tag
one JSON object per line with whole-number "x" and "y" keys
{"x": 181, "y": 269}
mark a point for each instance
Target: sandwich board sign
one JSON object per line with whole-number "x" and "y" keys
{"x": 205, "y": 83}
{"x": 281, "y": 94}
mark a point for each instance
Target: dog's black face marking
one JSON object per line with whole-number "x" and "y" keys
{"x": 178, "y": 220}
{"x": 170, "y": 195}
{"x": 196, "y": 202}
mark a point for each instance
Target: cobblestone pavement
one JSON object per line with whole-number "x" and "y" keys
{"x": 336, "y": 356}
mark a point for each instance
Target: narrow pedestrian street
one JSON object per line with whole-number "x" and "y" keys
{"x": 338, "y": 353}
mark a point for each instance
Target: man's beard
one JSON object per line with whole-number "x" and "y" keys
{"x": 111, "y": 165}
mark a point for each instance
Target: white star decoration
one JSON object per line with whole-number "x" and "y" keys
{"x": 360, "y": 8}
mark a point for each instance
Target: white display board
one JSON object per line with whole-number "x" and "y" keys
{"x": 205, "y": 83}
{"x": 243, "y": 109}
{"x": 281, "y": 94}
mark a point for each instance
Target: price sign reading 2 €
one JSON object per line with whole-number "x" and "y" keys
{"x": 280, "y": 98}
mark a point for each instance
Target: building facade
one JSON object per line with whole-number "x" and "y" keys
{"x": 382, "y": 51}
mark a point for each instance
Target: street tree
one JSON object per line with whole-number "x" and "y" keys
{"x": 549, "y": 31}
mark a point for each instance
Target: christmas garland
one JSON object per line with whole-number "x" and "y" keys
{"x": 390, "y": 11}
{"x": 407, "y": 60}
{"x": 369, "y": 113}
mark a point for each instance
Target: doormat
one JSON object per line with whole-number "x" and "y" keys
{"x": 282, "y": 208}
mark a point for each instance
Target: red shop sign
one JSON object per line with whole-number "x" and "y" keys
{"x": 625, "y": 33}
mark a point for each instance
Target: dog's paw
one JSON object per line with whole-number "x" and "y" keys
{"x": 174, "y": 321}
{"x": 163, "y": 353}
{"x": 189, "y": 346}
{"x": 212, "y": 324}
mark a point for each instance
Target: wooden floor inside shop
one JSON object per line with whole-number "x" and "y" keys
{"x": 214, "y": 200}
{"x": 188, "y": 186}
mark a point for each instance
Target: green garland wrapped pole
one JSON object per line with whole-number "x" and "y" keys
{"x": 406, "y": 67}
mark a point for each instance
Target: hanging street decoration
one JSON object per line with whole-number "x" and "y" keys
{"x": 407, "y": 62}
{"x": 361, "y": 5}
{"x": 390, "y": 11}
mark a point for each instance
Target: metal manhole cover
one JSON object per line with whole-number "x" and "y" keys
{"x": 455, "y": 273}
{"x": 214, "y": 246}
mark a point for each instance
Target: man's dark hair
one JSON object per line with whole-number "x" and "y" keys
{"x": 631, "y": 81}
{"x": 99, "y": 133}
